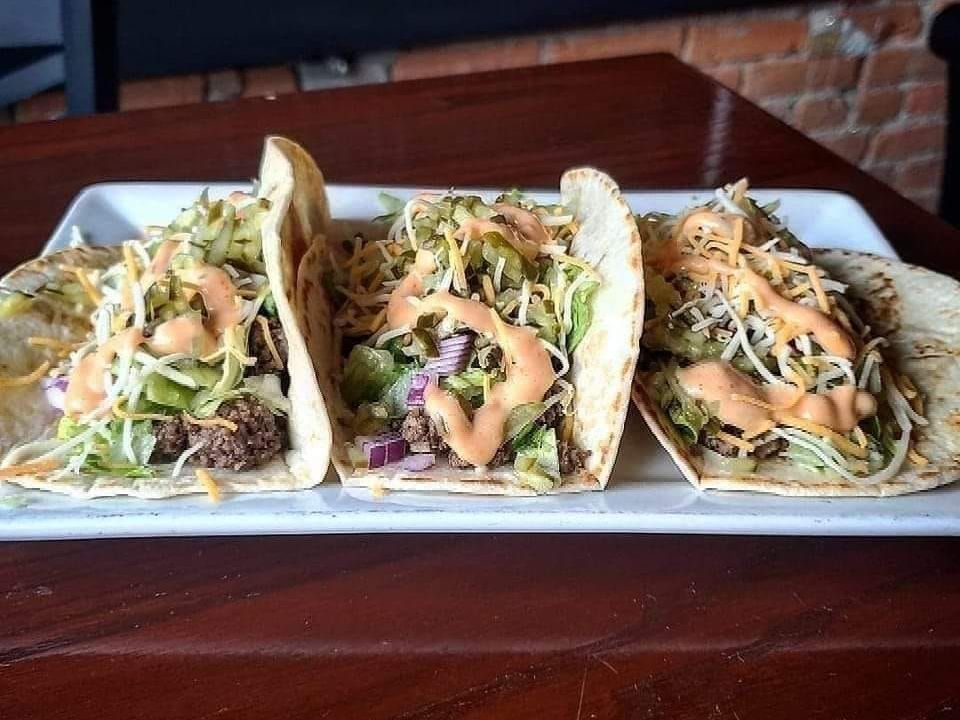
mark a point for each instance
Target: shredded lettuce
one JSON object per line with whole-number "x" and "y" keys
{"x": 538, "y": 462}
{"x": 395, "y": 397}
{"x": 581, "y": 310}
{"x": 804, "y": 458}
{"x": 106, "y": 456}
{"x": 521, "y": 421}
{"x": 467, "y": 384}
{"x": 267, "y": 389}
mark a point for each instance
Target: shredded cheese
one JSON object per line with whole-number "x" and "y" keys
{"x": 734, "y": 249}
{"x": 29, "y": 468}
{"x": 119, "y": 412}
{"x": 763, "y": 428}
{"x": 735, "y": 441}
{"x": 488, "y": 294}
{"x": 38, "y": 341}
{"x": 130, "y": 264}
{"x": 210, "y": 422}
{"x": 498, "y": 272}
{"x": 834, "y": 437}
{"x": 206, "y": 479}
{"x": 95, "y": 296}
{"x": 577, "y": 262}
{"x": 27, "y": 379}
{"x": 268, "y": 339}
{"x": 916, "y": 458}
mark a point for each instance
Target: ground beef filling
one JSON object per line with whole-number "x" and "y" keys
{"x": 171, "y": 439}
{"x": 762, "y": 451}
{"x": 572, "y": 458}
{"x": 420, "y": 432}
{"x": 260, "y": 348}
{"x": 259, "y": 437}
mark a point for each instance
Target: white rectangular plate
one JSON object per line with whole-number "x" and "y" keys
{"x": 646, "y": 493}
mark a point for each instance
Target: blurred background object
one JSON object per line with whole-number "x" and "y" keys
{"x": 855, "y": 76}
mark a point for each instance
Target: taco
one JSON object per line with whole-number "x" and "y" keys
{"x": 767, "y": 366}
{"x": 169, "y": 363}
{"x": 479, "y": 345}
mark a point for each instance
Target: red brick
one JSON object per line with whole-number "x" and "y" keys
{"x": 728, "y": 75}
{"x": 880, "y": 23}
{"x": 45, "y": 106}
{"x": 812, "y": 114}
{"x": 836, "y": 73}
{"x": 875, "y": 107}
{"x": 161, "y": 92}
{"x": 928, "y": 200}
{"x": 885, "y": 172}
{"x": 773, "y": 78}
{"x": 464, "y": 58}
{"x": 848, "y": 145}
{"x": 920, "y": 175}
{"x": 781, "y": 108}
{"x": 901, "y": 143}
{"x": 615, "y": 42}
{"x": 927, "y": 99}
{"x": 714, "y": 43}
{"x": 269, "y": 81}
{"x": 896, "y": 65}
{"x": 224, "y": 85}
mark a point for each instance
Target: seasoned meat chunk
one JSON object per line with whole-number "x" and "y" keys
{"x": 260, "y": 348}
{"x": 259, "y": 436}
{"x": 504, "y": 456}
{"x": 572, "y": 458}
{"x": 721, "y": 447}
{"x": 418, "y": 428}
{"x": 171, "y": 436}
{"x": 770, "y": 448}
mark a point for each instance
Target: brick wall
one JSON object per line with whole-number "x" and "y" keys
{"x": 854, "y": 76}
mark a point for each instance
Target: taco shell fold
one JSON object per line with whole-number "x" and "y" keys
{"x": 602, "y": 365}
{"x": 294, "y": 186}
{"x": 918, "y": 312}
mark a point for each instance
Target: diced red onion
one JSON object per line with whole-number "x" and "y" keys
{"x": 419, "y": 462}
{"x": 418, "y": 384}
{"x": 55, "y": 390}
{"x": 454, "y": 353}
{"x": 382, "y": 449}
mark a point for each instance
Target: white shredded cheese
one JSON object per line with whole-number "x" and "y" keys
{"x": 184, "y": 456}
{"x": 555, "y": 351}
{"x": 498, "y": 273}
{"x": 388, "y": 335}
{"x": 745, "y": 344}
{"x": 524, "y": 302}
{"x": 139, "y": 307}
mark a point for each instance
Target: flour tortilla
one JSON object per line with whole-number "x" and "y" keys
{"x": 44, "y": 319}
{"x": 288, "y": 228}
{"x": 602, "y": 365}
{"x": 918, "y": 311}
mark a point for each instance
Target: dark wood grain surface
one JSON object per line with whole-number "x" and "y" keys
{"x": 473, "y": 626}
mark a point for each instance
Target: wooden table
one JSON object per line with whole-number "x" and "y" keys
{"x": 473, "y": 626}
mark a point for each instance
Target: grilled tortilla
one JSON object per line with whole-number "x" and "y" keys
{"x": 908, "y": 320}
{"x": 287, "y": 228}
{"x": 601, "y": 365}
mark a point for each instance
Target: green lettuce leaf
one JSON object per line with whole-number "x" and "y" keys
{"x": 581, "y": 312}
{"x": 467, "y": 384}
{"x": 538, "y": 462}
